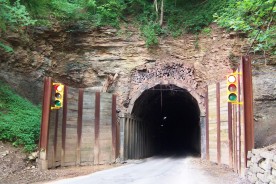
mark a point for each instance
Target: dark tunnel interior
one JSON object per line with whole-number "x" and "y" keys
{"x": 173, "y": 116}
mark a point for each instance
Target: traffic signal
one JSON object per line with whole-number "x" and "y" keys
{"x": 232, "y": 88}
{"x": 58, "y": 96}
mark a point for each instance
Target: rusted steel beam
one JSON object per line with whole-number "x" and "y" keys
{"x": 79, "y": 124}
{"x": 235, "y": 138}
{"x": 63, "y": 129}
{"x": 44, "y": 129}
{"x": 114, "y": 127}
{"x": 248, "y": 104}
{"x": 207, "y": 123}
{"x": 55, "y": 138}
{"x": 218, "y": 123}
{"x": 239, "y": 121}
{"x": 97, "y": 128}
{"x": 230, "y": 136}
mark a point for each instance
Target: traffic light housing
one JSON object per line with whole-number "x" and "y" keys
{"x": 232, "y": 88}
{"x": 58, "y": 95}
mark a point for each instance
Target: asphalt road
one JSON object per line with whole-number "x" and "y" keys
{"x": 157, "y": 170}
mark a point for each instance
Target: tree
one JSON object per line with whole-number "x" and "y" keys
{"x": 160, "y": 7}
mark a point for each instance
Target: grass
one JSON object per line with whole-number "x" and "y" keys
{"x": 19, "y": 119}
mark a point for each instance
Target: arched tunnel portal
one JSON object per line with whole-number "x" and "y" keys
{"x": 169, "y": 118}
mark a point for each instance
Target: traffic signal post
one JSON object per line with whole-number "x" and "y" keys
{"x": 232, "y": 88}
{"x": 58, "y": 96}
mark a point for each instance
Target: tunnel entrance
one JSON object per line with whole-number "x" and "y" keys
{"x": 172, "y": 116}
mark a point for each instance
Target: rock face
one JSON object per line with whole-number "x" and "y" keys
{"x": 91, "y": 58}
{"x": 117, "y": 61}
{"x": 264, "y": 84}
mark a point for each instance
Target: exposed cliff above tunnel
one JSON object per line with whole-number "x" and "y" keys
{"x": 104, "y": 58}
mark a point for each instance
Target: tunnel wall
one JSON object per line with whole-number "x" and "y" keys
{"x": 134, "y": 138}
{"x": 83, "y": 132}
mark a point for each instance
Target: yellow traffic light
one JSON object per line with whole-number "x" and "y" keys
{"x": 58, "y": 96}
{"x": 232, "y": 88}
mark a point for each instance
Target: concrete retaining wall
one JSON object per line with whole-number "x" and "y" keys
{"x": 261, "y": 165}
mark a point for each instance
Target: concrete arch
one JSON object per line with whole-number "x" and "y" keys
{"x": 143, "y": 87}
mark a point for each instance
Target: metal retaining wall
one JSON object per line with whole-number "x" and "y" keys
{"x": 229, "y": 127}
{"x": 83, "y": 132}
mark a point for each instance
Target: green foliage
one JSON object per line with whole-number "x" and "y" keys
{"x": 150, "y": 33}
{"x": 14, "y": 16}
{"x": 6, "y": 48}
{"x": 19, "y": 119}
{"x": 254, "y": 17}
{"x": 207, "y": 31}
{"x": 110, "y": 13}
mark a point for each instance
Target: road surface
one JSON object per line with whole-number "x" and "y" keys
{"x": 160, "y": 170}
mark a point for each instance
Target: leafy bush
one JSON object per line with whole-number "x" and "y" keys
{"x": 14, "y": 15}
{"x": 110, "y": 13}
{"x": 149, "y": 32}
{"x": 254, "y": 17}
{"x": 19, "y": 119}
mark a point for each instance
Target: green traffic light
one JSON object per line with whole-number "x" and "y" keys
{"x": 232, "y": 97}
{"x": 57, "y": 103}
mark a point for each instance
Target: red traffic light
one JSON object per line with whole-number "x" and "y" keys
{"x": 232, "y": 88}
{"x": 58, "y": 87}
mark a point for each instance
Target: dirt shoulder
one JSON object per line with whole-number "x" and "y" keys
{"x": 15, "y": 168}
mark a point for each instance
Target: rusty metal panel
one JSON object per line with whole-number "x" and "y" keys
{"x": 71, "y": 127}
{"x": 79, "y": 124}
{"x": 97, "y": 128}
{"x": 212, "y": 116}
{"x": 218, "y": 123}
{"x": 88, "y": 135}
{"x": 63, "y": 131}
{"x": 44, "y": 130}
{"x": 224, "y": 134}
{"x": 105, "y": 136}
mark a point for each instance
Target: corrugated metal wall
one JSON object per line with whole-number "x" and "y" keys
{"x": 229, "y": 128}
{"x": 83, "y": 132}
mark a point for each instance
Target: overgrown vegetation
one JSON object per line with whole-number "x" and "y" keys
{"x": 19, "y": 119}
{"x": 253, "y": 17}
{"x": 155, "y": 17}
